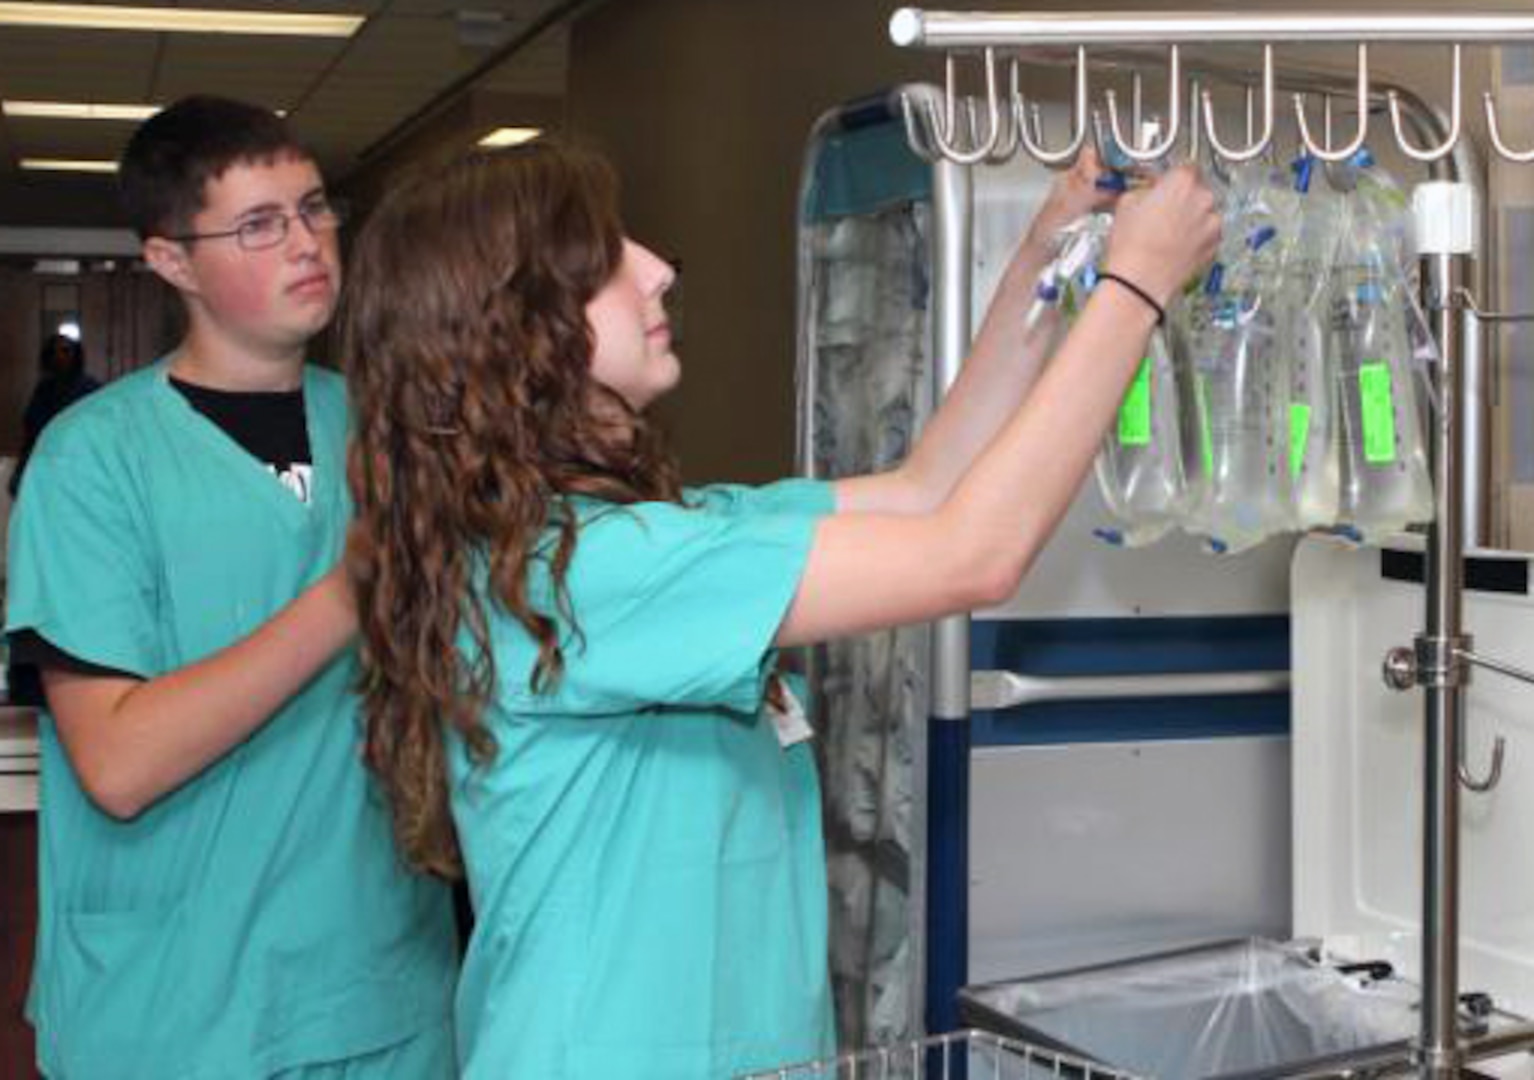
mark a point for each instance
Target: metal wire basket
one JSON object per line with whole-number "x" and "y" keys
{"x": 962, "y": 1055}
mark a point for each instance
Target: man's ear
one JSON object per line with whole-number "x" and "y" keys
{"x": 168, "y": 258}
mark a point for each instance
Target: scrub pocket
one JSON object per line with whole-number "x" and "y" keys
{"x": 117, "y": 1007}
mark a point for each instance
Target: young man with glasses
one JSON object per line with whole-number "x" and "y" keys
{"x": 220, "y": 893}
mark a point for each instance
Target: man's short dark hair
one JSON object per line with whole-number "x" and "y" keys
{"x": 173, "y": 155}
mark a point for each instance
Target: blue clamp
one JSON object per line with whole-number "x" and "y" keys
{"x": 1303, "y": 167}
{"x": 1216, "y": 279}
{"x": 1112, "y": 180}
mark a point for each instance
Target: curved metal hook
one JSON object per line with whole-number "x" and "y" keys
{"x": 1445, "y": 147}
{"x": 1494, "y": 131}
{"x": 1004, "y": 145}
{"x": 944, "y": 130}
{"x": 1195, "y": 129}
{"x": 1253, "y": 148}
{"x": 1100, "y": 141}
{"x": 1493, "y": 777}
{"x": 1499, "y": 746}
{"x": 1030, "y": 128}
{"x": 1327, "y": 153}
{"x": 916, "y": 138}
{"x": 1006, "y": 136}
{"x": 1131, "y": 148}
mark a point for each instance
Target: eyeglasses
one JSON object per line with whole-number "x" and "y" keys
{"x": 270, "y": 227}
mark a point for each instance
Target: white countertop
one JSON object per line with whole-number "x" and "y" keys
{"x": 18, "y": 759}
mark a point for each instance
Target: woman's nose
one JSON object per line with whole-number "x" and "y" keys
{"x": 654, "y": 271}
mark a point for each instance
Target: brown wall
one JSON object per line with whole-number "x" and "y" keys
{"x": 18, "y": 933}
{"x": 18, "y": 352}
{"x": 453, "y": 131}
{"x": 704, "y": 105}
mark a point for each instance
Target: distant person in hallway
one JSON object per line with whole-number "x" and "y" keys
{"x": 62, "y": 380}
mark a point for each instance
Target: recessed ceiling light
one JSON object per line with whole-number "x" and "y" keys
{"x": 77, "y": 110}
{"x": 510, "y": 136}
{"x": 68, "y": 165}
{"x": 179, "y": 20}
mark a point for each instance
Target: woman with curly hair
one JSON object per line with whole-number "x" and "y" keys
{"x": 568, "y": 657}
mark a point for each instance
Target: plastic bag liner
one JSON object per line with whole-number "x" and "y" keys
{"x": 1238, "y": 1009}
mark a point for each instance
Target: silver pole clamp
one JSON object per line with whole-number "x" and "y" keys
{"x": 1430, "y": 662}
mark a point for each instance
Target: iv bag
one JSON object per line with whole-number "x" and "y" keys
{"x": 1385, "y": 481}
{"x": 1308, "y": 260}
{"x": 1139, "y": 466}
{"x": 1238, "y": 332}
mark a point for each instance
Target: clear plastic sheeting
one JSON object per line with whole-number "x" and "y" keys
{"x": 965, "y": 1055}
{"x": 1229, "y": 1010}
{"x": 866, "y": 381}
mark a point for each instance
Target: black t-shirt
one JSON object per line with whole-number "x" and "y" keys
{"x": 270, "y": 425}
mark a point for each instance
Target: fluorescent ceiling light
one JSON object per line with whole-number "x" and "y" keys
{"x": 68, "y": 165}
{"x": 77, "y": 110}
{"x": 510, "y": 136}
{"x": 179, "y": 20}
{"x": 80, "y": 110}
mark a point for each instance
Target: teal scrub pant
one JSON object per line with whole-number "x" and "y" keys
{"x": 427, "y": 1056}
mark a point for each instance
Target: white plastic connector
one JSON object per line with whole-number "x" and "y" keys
{"x": 1445, "y": 212}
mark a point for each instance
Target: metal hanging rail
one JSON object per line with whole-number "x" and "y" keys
{"x": 1446, "y": 212}
{"x": 969, "y": 30}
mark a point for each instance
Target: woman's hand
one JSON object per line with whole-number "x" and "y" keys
{"x": 1165, "y": 233}
{"x": 1073, "y": 195}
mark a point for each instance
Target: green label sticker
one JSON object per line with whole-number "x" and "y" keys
{"x": 1205, "y": 439}
{"x": 1135, "y": 410}
{"x": 1378, "y": 413}
{"x": 1299, "y": 436}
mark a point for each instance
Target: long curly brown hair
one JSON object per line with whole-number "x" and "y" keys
{"x": 468, "y": 357}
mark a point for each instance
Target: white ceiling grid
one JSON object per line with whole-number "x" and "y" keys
{"x": 342, "y": 94}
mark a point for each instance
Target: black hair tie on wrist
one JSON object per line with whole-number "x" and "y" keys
{"x": 1107, "y": 275}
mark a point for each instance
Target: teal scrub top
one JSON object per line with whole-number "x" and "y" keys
{"x": 645, "y": 857}
{"x": 256, "y": 918}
